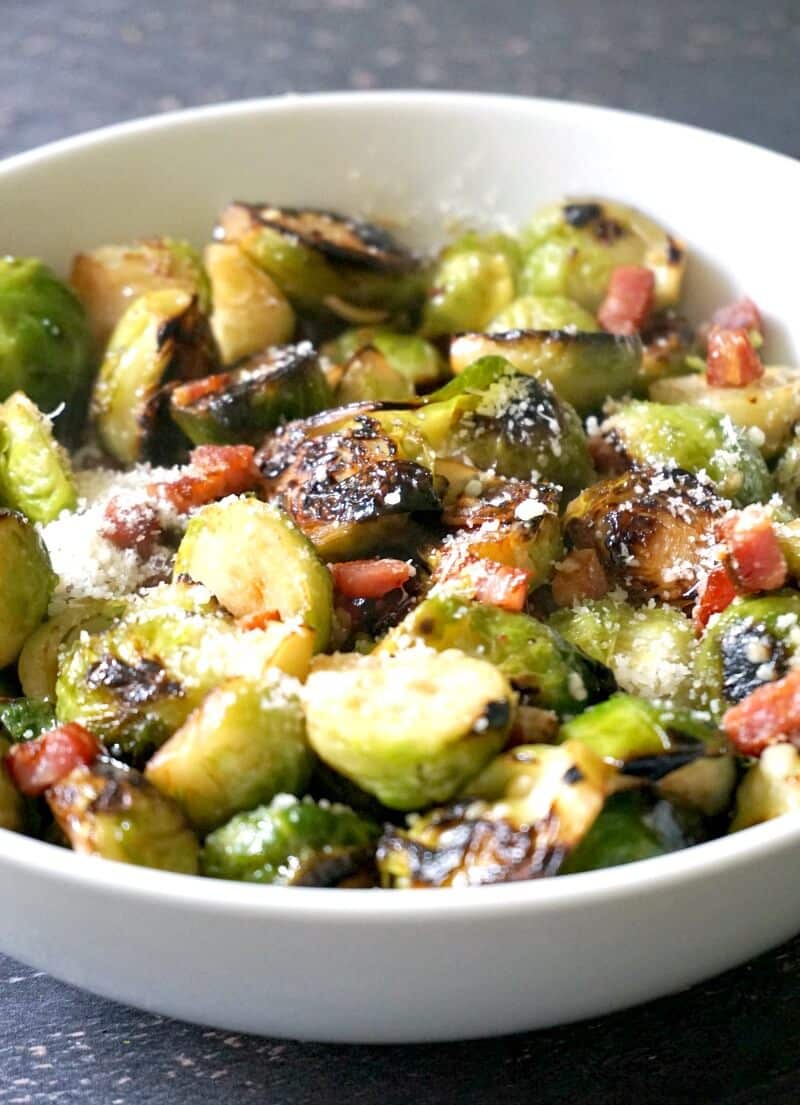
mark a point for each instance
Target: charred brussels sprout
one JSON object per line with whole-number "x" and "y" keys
{"x": 771, "y": 787}
{"x": 12, "y": 804}
{"x": 412, "y": 359}
{"x": 250, "y": 312}
{"x": 35, "y": 472}
{"x": 545, "y": 670}
{"x": 573, "y": 247}
{"x": 243, "y": 405}
{"x": 293, "y": 842}
{"x": 162, "y": 336}
{"x": 697, "y": 440}
{"x": 254, "y": 559}
{"x": 473, "y": 280}
{"x": 632, "y": 826}
{"x": 26, "y": 718}
{"x": 244, "y": 744}
{"x": 45, "y": 344}
{"x": 38, "y": 661}
{"x": 109, "y": 810}
{"x": 412, "y": 728}
{"x": 543, "y": 312}
{"x": 26, "y": 583}
{"x": 583, "y": 368}
{"x": 518, "y": 820}
{"x": 109, "y": 278}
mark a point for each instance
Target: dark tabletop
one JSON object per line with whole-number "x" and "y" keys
{"x": 69, "y": 65}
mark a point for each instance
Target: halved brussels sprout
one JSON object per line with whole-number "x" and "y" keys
{"x": 543, "y": 312}
{"x": 250, "y": 311}
{"x": 768, "y": 408}
{"x": 632, "y": 826}
{"x": 409, "y": 356}
{"x": 652, "y": 530}
{"x": 571, "y": 249}
{"x": 12, "y": 804}
{"x": 519, "y": 819}
{"x": 546, "y": 670}
{"x": 649, "y": 649}
{"x": 244, "y": 744}
{"x": 35, "y": 472}
{"x": 254, "y": 559}
{"x": 45, "y": 344}
{"x": 26, "y": 718}
{"x": 107, "y": 809}
{"x": 697, "y": 440}
{"x": 162, "y": 336}
{"x": 770, "y": 788}
{"x": 38, "y": 661}
{"x": 412, "y": 728}
{"x": 109, "y": 278}
{"x": 704, "y": 785}
{"x": 283, "y": 383}
{"x": 473, "y": 280}
{"x": 583, "y": 368}
{"x": 26, "y": 583}
{"x": 668, "y": 341}
{"x": 294, "y": 843}
{"x": 368, "y": 375}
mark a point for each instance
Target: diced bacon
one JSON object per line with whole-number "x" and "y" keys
{"x": 731, "y": 359}
{"x": 769, "y": 715}
{"x": 37, "y": 764}
{"x": 755, "y": 558}
{"x": 717, "y": 593}
{"x": 131, "y": 525}
{"x": 213, "y": 472}
{"x": 579, "y": 576}
{"x": 628, "y": 301}
{"x": 499, "y": 585}
{"x": 370, "y": 579}
{"x": 741, "y": 315}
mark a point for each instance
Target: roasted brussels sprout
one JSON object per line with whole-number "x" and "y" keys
{"x": 250, "y": 311}
{"x": 45, "y": 344}
{"x": 412, "y": 359}
{"x": 38, "y": 661}
{"x": 368, "y": 375}
{"x": 107, "y": 809}
{"x": 545, "y": 670}
{"x": 668, "y": 342}
{"x": 283, "y": 383}
{"x": 26, "y": 583}
{"x": 411, "y": 728}
{"x": 632, "y": 826}
{"x": 584, "y": 368}
{"x": 294, "y": 842}
{"x": 652, "y": 529}
{"x": 787, "y": 474}
{"x": 649, "y": 649}
{"x": 473, "y": 280}
{"x": 704, "y": 785}
{"x": 543, "y": 312}
{"x": 35, "y": 472}
{"x": 573, "y": 247}
{"x": 162, "y": 336}
{"x": 697, "y": 440}
{"x": 12, "y": 804}
{"x": 254, "y": 559}
{"x": 26, "y": 718}
{"x": 108, "y": 279}
{"x": 771, "y": 787}
{"x": 518, "y": 820}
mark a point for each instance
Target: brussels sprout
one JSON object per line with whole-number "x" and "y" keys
{"x": 412, "y": 728}
{"x": 369, "y": 376}
{"x": 109, "y": 810}
{"x": 631, "y": 827}
{"x": 45, "y": 344}
{"x": 649, "y": 650}
{"x": 26, "y": 583}
{"x": 250, "y": 311}
{"x": 573, "y": 247}
{"x": 254, "y": 559}
{"x": 244, "y": 744}
{"x": 26, "y": 718}
{"x": 750, "y": 643}
{"x": 283, "y": 383}
{"x": 473, "y": 280}
{"x": 35, "y": 473}
{"x": 519, "y": 820}
{"x": 38, "y": 661}
{"x": 787, "y": 474}
{"x": 652, "y": 530}
{"x": 668, "y": 342}
{"x": 108, "y": 279}
{"x": 412, "y": 358}
{"x": 546, "y": 670}
{"x": 771, "y": 787}
{"x": 12, "y": 804}
{"x": 704, "y": 785}
{"x": 134, "y": 684}
{"x": 697, "y": 440}
{"x": 543, "y": 312}
{"x": 768, "y": 408}
{"x": 293, "y": 843}
{"x": 161, "y": 336}
{"x": 583, "y": 368}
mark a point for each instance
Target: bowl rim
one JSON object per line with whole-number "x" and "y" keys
{"x": 216, "y": 896}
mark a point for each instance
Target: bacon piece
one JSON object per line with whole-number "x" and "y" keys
{"x": 769, "y": 715}
{"x": 740, "y": 315}
{"x": 37, "y": 764}
{"x": 579, "y": 576}
{"x": 731, "y": 359}
{"x": 213, "y": 472}
{"x": 370, "y": 579}
{"x": 717, "y": 594}
{"x": 499, "y": 585}
{"x": 131, "y": 525}
{"x": 756, "y": 561}
{"x": 628, "y": 301}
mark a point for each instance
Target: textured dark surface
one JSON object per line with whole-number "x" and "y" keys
{"x": 68, "y": 65}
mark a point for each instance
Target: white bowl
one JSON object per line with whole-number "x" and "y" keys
{"x": 365, "y": 965}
